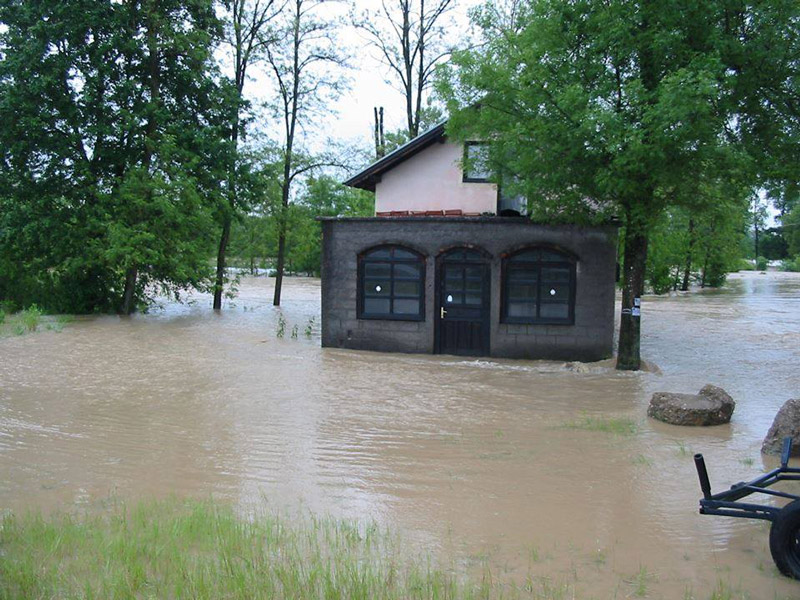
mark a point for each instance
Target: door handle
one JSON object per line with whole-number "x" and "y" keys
{"x": 442, "y": 312}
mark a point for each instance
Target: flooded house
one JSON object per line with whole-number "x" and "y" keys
{"x": 450, "y": 265}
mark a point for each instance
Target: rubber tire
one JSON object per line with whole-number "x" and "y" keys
{"x": 784, "y": 540}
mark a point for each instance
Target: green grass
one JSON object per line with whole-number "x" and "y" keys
{"x": 616, "y": 426}
{"x": 202, "y": 549}
{"x": 30, "y": 320}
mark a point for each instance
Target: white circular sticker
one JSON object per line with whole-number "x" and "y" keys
{"x": 378, "y": 288}
{"x": 552, "y": 292}
{"x": 450, "y": 298}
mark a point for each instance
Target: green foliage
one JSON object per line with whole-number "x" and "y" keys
{"x": 792, "y": 265}
{"x": 111, "y": 149}
{"x": 616, "y": 426}
{"x": 192, "y": 549}
{"x": 761, "y": 264}
{"x": 254, "y": 239}
{"x": 281, "y": 329}
{"x": 30, "y": 317}
{"x": 791, "y": 231}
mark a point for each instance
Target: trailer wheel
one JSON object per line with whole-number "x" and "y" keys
{"x": 784, "y": 540}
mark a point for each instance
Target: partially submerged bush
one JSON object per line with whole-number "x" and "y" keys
{"x": 31, "y": 317}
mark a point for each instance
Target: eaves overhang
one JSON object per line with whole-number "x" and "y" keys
{"x": 369, "y": 177}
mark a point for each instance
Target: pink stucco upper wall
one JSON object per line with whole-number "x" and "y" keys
{"x": 431, "y": 180}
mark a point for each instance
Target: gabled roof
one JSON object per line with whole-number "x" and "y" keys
{"x": 367, "y": 178}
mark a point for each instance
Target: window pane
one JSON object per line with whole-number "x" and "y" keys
{"x": 453, "y": 287}
{"x": 472, "y": 255}
{"x": 406, "y": 307}
{"x": 522, "y": 292}
{"x": 377, "y": 287}
{"x": 554, "y": 311}
{"x": 523, "y": 275}
{"x": 452, "y": 273}
{"x": 555, "y": 274}
{"x": 376, "y": 306}
{"x": 406, "y": 288}
{"x": 522, "y": 309}
{"x": 474, "y": 286}
{"x": 477, "y": 161}
{"x": 406, "y": 270}
{"x": 550, "y": 256}
{"x": 554, "y": 294}
{"x": 472, "y": 299}
{"x": 379, "y": 253}
{"x": 526, "y": 256}
{"x": 382, "y": 270}
{"x": 474, "y": 273}
{"x": 400, "y": 253}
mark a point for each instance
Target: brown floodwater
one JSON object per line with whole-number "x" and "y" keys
{"x": 471, "y": 460}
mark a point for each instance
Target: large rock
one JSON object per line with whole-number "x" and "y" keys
{"x": 786, "y": 424}
{"x": 712, "y": 406}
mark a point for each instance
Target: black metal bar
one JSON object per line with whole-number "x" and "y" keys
{"x": 739, "y": 506}
{"x": 702, "y": 474}
{"x": 741, "y": 514}
{"x": 787, "y": 451}
{"x": 769, "y": 492}
{"x": 739, "y": 490}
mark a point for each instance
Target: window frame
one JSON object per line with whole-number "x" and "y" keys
{"x": 465, "y": 178}
{"x": 418, "y": 259}
{"x": 569, "y": 261}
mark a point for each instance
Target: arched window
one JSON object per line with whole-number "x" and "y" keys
{"x": 539, "y": 287}
{"x": 391, "y": 284}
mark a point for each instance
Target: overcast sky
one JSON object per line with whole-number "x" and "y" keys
{"x": 351, "y": 116}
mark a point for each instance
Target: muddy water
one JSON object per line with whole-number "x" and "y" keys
{"x": 469, "y": 459}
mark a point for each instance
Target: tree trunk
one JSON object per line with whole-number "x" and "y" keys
{"x": 687, "y": 269}
{"x": 219, "y": 280}
{"x": 755, "y": 231}
{"x": 276, "y": 299}
{"x": 628, "y": 356}
{"x": 130, "y": 288}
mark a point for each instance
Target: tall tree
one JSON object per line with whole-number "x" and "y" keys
{"x": 247, "y": 33}
{"x": 409, "y": 38}
{"x": 307, "y": 67}
{"x": 614, "y": 108}
{"x": 111, "y": 117}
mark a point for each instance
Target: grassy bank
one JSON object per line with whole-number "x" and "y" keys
{"x": 30, "y": 320}
{"x": 190, "y": 549}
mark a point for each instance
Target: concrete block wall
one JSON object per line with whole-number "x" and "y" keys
{"x": 589, "y": 338}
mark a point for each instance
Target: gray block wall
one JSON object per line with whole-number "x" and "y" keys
{"x": 589, "y": 338}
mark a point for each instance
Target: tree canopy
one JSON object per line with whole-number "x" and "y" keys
{"x": 623, "y": 108}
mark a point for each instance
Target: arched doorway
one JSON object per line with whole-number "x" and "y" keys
{"x": 462, "y": 311}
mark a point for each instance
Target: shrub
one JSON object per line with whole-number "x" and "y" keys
{"x": 30, "y": 317}
{"x": 791, "y": 264}
{"x": 761, "y": 263}
{"x": 745, "y": 265}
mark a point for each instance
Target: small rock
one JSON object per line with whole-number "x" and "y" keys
{"x": 786, "y": 424}
{"x": 712, "y": 406}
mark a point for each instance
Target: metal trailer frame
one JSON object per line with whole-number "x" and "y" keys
{"x": 785, "y": 531}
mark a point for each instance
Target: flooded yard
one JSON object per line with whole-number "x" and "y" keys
{"x": 533, "y": 469}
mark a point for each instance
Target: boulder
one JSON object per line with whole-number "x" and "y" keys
{"x": 786, "y": 424}
{"x": 712, "y": 406}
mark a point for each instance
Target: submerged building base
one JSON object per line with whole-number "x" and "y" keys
{"x": 477, "y": 286}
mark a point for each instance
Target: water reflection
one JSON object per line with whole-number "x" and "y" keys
{"x": 471, "y": 459}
